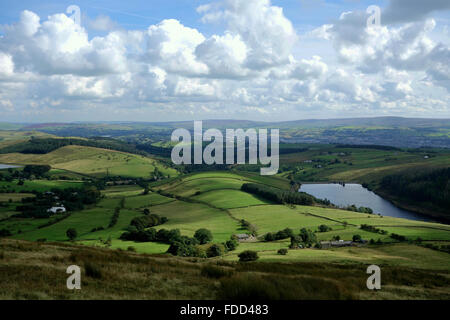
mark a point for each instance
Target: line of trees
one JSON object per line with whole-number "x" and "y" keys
{"x": 282, "y": 234}
{"x": 373, "y": 229}
{"x": 279, "y": 196}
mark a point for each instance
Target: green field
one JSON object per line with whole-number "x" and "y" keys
{"x": 227, "y": 199}
{"x": 92, "y": 161}
{"x": 14, "y": 197}
{"x": 39, "y": 185}
{"x": 189, "y": 217}
{"x": 146, "y": 201}
{"x": 122, "y": 191}
{"x": 190, "y": 187}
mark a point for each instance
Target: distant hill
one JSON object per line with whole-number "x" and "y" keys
{"x": 390, "y": 131}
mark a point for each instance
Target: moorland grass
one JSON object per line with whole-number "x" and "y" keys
{"x": 38, "y": 271}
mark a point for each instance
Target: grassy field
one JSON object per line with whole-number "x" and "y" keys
{"x": 189, "y": 217}
{"x": 39, "y": 185}
{"x": 15, "y": 197}
{"x": 10, "y": 137}
{"x": 227, "y": 199}
{"x": 92, "y": 161}
{"x": 122, "y": 191}
{"x": 188, "y": 188}
{"x": 146, "y": 201}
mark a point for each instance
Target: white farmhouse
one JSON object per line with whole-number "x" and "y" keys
{"x": 55, "y": 210}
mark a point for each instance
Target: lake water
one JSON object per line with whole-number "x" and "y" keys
{"x": 356, "y": 194}
{"x": 6, "y": 166}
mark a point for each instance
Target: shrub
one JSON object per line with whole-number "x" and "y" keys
{"x": 398, "y": 237}
{"x": 324, "y": 228}
{"x": 71, "y": 233}
{"x": 114, "y": 218}
{"x": 131, "y": 248}
{"x": 231, "y": 244}
{"x": 248, "y": 255}
{"x": 147, "y": 221}
{"x": 284, "y": 234}
{"x": 203, "y": 236}
{"x": 182, "y": 249}
{"x": 140, "y": 235}
{"x": 214, "y": 251}
{"x": 5, "y": 233}
{"x": 269, "y": 237}
{"x": 2, "y": 255}
{"x": 282, "y": 251}
{"x": 92, "y": 270}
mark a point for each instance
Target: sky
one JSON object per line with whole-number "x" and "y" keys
{"x": 154, "y": 60}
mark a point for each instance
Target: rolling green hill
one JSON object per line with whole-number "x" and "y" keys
{"x": 92, "y": 161}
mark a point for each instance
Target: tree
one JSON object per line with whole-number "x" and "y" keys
{"x": 269, "y": 237}
{"x": 146, "y": 211}
{"x": 324, "y": 228}
{"x": 214, "y": 251}
{"x": 283, "y": 251}
{"x": 203, "y": 236}
{"x": 308, "y": 237}
{"x": 357, "y": 238}
{"x": 5, "y": 233}
{"x": 71, "y": 233}
{"x": 231, "y": 244}
{"x": 248, "y": 255}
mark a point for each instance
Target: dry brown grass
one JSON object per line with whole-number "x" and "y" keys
{"x": 30, "y": 270}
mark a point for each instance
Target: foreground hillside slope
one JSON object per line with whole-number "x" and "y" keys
{"x": 38, "y": 271}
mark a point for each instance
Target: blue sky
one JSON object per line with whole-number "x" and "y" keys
{"x": 254, "y": 59}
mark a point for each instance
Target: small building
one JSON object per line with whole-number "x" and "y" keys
{"x": 243, "y": 237}
{"x": 56, "y": 210}
{"x": 336, "y": 244}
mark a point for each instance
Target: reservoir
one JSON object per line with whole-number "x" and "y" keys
{"x": 7, "y": 166}
{"x": 356, "y": 194}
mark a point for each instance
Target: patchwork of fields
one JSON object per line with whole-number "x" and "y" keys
{"x": 214, "y": 201}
